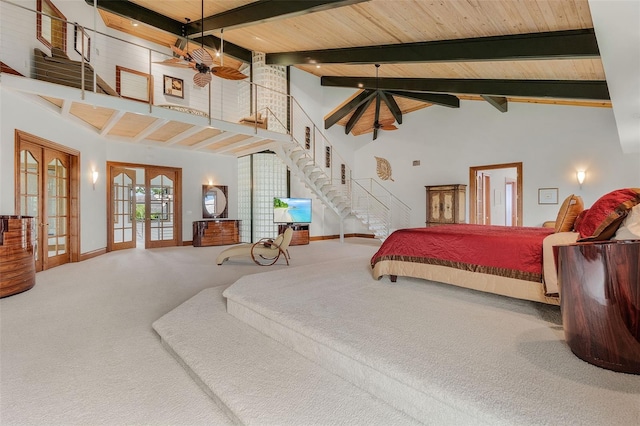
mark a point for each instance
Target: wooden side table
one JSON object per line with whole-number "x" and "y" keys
{"x": 300, "y": 234}
{"x": 600, "y": 302}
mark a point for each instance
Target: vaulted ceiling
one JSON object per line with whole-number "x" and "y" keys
{"x": 498, "y": 51}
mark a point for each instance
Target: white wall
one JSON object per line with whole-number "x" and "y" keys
{"x": 551, "y": 141}
{"x": 22, "y": 112}
{"x": 317, "y": 102}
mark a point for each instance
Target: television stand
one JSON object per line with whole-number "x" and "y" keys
{"x": 300, "y": 233}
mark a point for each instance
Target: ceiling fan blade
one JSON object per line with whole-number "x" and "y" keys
{"x": 174, "y": 62}
{"x": 386, "y": 121}
{"x": 388, "y": 127}
{"x": 201, "y": 56}
{"x": 202, "y": 79}
{"x": 180, "y": 52}
{"x": 228, "y": 73}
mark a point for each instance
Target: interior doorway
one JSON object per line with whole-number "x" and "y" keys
{"x": 495, "y": 194}
{"x": 145, "y": 206}
{"x": 47, "y": 188}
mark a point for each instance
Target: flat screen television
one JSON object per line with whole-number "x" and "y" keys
{"x": 291, "y": 210}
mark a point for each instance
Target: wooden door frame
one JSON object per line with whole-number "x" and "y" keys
{"x": 486, "y": 189}
{"x": 472, "y": 188}
{"x": 512, "y": 183}
{"x": 111, "y": 213}
{"x": 74, "y": 184}
{"x": 177, "y": 199}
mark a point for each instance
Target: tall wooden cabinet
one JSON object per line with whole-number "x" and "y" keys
{"x": 446, "y": 204}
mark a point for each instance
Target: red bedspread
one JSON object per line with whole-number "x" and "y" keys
{"x": 514, "y": 252}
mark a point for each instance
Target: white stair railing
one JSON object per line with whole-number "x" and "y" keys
{"x": 312, "y": 158}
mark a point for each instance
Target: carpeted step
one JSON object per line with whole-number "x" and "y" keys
{"x": 442, "y": 354}
{"x": 257, "y": 380}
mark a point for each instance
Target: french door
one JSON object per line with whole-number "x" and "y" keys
{"x": 123, "y": 209}
{"x": 160, "y": 207}
{"x": 45, "y": 187}
{"x": 146, "y": 200}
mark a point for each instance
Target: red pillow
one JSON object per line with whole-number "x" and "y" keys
{"x": 604, "y": 217}
{"x": 579, "y": 218}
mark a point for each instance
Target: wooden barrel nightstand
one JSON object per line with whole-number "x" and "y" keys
{"x": 600, "y": 302}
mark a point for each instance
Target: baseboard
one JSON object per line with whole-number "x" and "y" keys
{"x": 187, "y": 243}
{"x": 334, "y": 237}
{"x": 91, "y": 254}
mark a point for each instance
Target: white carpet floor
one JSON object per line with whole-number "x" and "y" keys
{"x": 443, "y": 354}
{"x": 78, "y": 348}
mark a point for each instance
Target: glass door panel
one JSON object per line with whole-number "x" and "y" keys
{"x": 30, "y": 165}
{"x": 123, "y": 209}
{"x": 55, "y": 250}
{"x": 160, "y": 221}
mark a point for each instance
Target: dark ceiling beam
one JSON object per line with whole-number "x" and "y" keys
{"x": 134, "y": 12}
{"x": 550, "y": 45}
{"x": 500, "y": 103}
{"x": 357, "y": 115}
{"x": 432, "y": 98}
{"x": 345, "y": 109}
{"x": 138, "y": 13}
{"x": 267, "y": 10}
{"x": 392, "y": 105}
{"x": 230, "y": 49}
{"x": 564, "y": 89}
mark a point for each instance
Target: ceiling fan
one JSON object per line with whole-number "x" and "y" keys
{"x": 201, "y": 61}
{"x": 385, "y": 124}
{"x": 360, "y": 103}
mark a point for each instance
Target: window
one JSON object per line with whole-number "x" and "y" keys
{"x": 132, "y": 84}
{"x": 51, "y": 25}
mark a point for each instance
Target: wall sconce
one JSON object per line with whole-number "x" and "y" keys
{"x": 94, "y": 178}
{"x": 580, "y": 175}
{"x": 210, "y": 182}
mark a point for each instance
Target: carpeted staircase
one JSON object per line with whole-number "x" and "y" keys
{"x": 327, "y": 345}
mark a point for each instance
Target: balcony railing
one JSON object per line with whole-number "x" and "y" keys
{"x": 79, "y": 56}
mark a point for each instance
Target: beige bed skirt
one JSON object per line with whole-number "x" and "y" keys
{"x": 511, "y": 287}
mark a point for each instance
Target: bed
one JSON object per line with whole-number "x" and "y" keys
{"x": 495, "y": 259}
{"x": 517, "y": 262}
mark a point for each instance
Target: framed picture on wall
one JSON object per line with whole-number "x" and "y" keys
{"x": 547, "y": 195}
{"x": 173, "y": 86}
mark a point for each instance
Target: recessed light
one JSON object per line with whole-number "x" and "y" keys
{"x": 135, "y": 24}
{"x": 360, "y": 85}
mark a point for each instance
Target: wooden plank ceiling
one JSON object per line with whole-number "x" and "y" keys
{"x": 322, "y": 40}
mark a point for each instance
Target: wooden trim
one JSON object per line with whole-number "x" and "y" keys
{"x": 74, "y": 184}
{"x": 336, "y": 236}
{"x": 4, "y": 68}
{"x": 91, "y": 254}
{"x": 60, "y": 17}
{"x": 148, "y": 77}
{"x": 473, "y": 188}
{"x": 147, "y": 168}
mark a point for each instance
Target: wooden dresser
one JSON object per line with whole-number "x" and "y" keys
{"x": 216, "y": 232}
{"x": 446, "y": 204}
